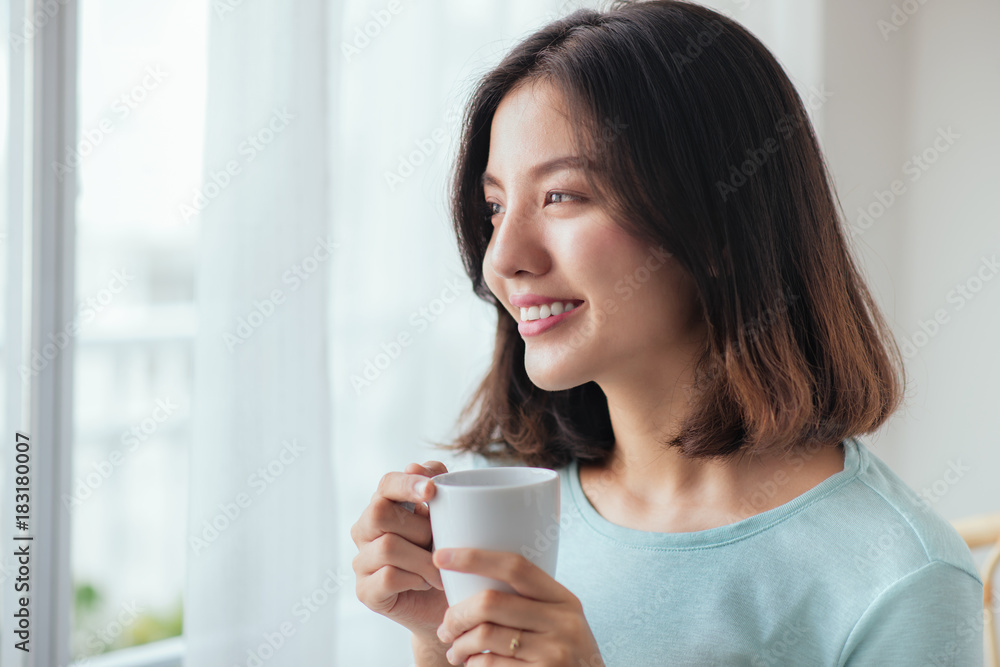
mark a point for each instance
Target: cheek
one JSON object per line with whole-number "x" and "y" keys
{"x": 601, "y": 257}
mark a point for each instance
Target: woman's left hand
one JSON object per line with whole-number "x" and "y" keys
{"x": 554, "y": 630}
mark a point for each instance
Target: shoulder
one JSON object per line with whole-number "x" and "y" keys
{"x": 896, "y": 573}
{"x": 933, "y": 614}
{"x": 906, "y": 532}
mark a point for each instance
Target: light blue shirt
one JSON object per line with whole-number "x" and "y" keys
{"x": 856, "y": 571}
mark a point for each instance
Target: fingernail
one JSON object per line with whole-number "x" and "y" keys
{"x": 443, "y": 556}
{"x": 421, "y": 488}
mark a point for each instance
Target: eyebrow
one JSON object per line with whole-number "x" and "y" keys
{"x": 540, "y": 169}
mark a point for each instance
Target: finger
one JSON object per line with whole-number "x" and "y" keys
{"x": 420, "y": 509}
{"x": 492, "y": 660}
{"x": 416, "y": 468}
{"x": 494, "y": 607}
{"x": 436, "y": 467}
{"x": 430, "y": 471}
{"x": 511, "y": 568}
{"x": 495, "y": 639}
{"x": 403, "y": 487}
{"x": 429, "y": 468}
{"x": 381, "y": 589}
{"x": 391, "y": 549}
{"x": 385, "y": 516}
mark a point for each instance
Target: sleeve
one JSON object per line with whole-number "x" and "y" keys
{"x": 933, "y": 616}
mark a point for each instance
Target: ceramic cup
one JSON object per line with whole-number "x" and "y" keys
{"x": 513, "y": 508}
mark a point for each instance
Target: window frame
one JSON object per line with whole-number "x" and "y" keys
{"x": 41, "y": 220}
{"x": 163, "y": 653}
{"x": 40, "y": 299}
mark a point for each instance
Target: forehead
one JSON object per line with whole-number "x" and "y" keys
{"x": 530, "y": 124}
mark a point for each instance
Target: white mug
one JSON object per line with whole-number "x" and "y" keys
{"x": 514, "y": 508}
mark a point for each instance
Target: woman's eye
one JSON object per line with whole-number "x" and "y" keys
{"x": 491, "y": 208}
{"x": 488, "y": 209}
{"x": 560, "y": 194}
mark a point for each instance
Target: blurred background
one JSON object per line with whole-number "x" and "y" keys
{"x": 269, "y": 312}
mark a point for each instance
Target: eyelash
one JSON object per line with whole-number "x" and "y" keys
{"x": 488, "y": 211}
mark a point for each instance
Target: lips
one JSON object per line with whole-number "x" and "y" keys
{"x": 536, "y": 327}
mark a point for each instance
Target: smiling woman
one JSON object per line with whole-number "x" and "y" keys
{"x": 684, "y": 334}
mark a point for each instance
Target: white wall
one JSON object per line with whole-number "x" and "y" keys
{"x": 898, "y": 72}
{"x": 893, "y": 91}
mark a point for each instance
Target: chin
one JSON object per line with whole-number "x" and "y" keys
{"x": 550, "y": 376}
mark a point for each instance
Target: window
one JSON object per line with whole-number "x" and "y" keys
{"x": 91, "y": 251}
{"x": 139, "y": 132}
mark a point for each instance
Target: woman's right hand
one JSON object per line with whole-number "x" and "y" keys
{"x": 395, "y": 574}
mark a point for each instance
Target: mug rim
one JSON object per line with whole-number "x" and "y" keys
{"x": 544, "y": 475}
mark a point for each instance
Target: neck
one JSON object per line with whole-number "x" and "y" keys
{"x": 644, "y": 481}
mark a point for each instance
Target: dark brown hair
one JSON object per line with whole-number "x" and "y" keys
{"x": 699, "y": 144}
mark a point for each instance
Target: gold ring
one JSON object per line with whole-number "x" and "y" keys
{"x": 515, "y": 643}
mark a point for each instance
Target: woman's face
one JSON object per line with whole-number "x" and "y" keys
{"x": 553, "y": 241}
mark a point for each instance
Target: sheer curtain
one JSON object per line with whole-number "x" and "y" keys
{"x": 262, "y": 564}
{"x": 370, "y": 352}
{"x": 400, "y": 277}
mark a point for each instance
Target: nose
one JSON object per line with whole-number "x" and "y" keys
{"x": 518, "y": 244}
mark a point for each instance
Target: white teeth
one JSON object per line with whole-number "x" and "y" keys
{"x": 547, "y": 310}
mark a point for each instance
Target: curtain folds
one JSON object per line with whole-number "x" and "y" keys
{"x": 262, "y": 573}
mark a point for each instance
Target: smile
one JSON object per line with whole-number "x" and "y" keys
{"x": 545, "y": 310}
{"x": 538, "y": 319}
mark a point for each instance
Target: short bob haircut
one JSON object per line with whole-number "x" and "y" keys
{"x": 697, "y": 143}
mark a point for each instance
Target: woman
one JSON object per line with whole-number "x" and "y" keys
{"x": 683, "y": 334}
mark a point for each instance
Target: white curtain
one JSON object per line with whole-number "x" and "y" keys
{"x": 400, "y": 274}
{"x": 262, "y": 564}
{"x": 375, "y": 353}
